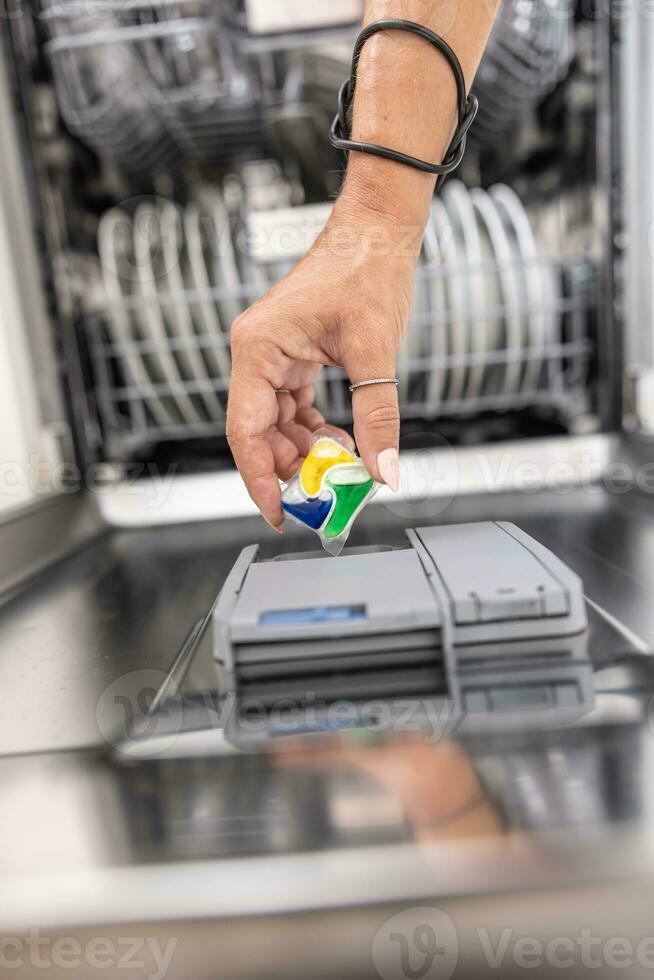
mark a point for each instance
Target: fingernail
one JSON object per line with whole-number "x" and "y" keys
{"x": 388, "y": 464}
{"x": 277, "y": 528}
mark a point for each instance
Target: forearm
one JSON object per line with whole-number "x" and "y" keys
{"x": 406, "y": 99}
{"x": 348, "y": 301}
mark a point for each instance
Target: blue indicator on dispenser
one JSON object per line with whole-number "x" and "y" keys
{"x": 316, "y": 614}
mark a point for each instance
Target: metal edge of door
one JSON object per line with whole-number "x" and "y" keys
{"x": 35, "y": 537}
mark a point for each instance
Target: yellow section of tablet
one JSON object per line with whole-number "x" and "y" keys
{"x": 325, "y": 454}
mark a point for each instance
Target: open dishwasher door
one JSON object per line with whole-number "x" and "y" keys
{"x": 223, "y": 827}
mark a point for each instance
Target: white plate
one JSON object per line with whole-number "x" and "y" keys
{"x": 436, "y": 330}
{"x": 219, "y": 240}
{"x": 204, "y": 308}
{"x": 457, "y": 325}
{"x": 457, "y": 201}
{"x": 412, "y": 348}
{"x": 402, "y": 371}
{"x": 112, "y": 258}
{"x": 492, "y": 302}
{"x": 147, "y": 232}
{"x": 507, "y": 260}
{"x": 251, "y": 273}
{"x": 541, "y": 321}
{"x": 178, "y": 312}
{"x": 417, "y": 343}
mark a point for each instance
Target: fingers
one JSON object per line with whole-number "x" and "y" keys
{"x": 252, "y": 411}
{"x": 305, "y": 396}
{"x": 376, "y": 413}
{"x": 309, "y": 416}
{"x": 270, "y": 433}
{"x": 310, "y": 420}
{"x": 286, "y": 408}
{"x": 306, "y": 413}
{"x": 299, "y": 435}
{"x": 285, "y": 453}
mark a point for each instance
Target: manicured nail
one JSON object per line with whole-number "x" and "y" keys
{"x": 388, "y": 464}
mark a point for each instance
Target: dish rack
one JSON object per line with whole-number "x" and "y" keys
{"x": 198, "y": 116}
{"x": 529, "y": 52}
{"x": 497, "y": 324}
{"x": 151, "y": 84}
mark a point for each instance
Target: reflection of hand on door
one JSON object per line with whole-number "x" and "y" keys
{"x": 437, "y": 786}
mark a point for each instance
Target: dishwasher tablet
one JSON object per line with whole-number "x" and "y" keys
{"x": 331, "y": 489}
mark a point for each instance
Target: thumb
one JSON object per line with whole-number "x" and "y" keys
{"x": 376, "y": 413}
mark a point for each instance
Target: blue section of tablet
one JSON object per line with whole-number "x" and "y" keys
{"x": 313, "y": 513}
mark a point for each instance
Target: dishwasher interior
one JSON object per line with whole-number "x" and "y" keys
{"x": 180, "y": 165}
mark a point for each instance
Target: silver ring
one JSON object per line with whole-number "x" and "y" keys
{"x": 375, "y": 381}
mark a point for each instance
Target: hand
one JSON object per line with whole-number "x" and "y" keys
{"x": 346, "y": 303}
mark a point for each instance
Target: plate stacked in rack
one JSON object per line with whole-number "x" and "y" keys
{"x": 488, "y": 306}
{"x": 485, "y": 329}
{"x": 172, "y": 289}
{"x": 174, "y": 280}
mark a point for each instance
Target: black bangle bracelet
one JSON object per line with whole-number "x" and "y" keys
{"x": 340, "y": 135}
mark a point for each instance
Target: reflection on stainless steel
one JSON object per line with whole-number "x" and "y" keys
{"x": 484, "y": 813}
{"x": 314, "y": 842}
{"x": 246, "y": 806}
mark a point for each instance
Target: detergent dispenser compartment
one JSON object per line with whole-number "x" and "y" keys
{"x": 476, "y": 623}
